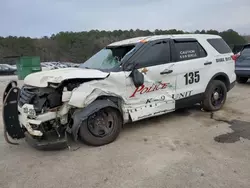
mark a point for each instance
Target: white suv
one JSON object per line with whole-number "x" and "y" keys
{"x": 126, "y": 81}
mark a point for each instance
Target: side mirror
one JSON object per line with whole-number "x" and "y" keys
{"x": 137, "y": 77}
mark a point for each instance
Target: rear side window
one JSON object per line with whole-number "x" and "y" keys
{"x": 189, "y": 50}
{"x": 158, "y": 53}
{"x": 220, "y": 45}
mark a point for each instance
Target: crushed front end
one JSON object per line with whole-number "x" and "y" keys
{"x": 42, "y": 115}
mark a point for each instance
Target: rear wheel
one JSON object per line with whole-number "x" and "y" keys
{"x": 101, "y": 128}
{"x": 242, "y": 80}
{"x": 215, "y": 96}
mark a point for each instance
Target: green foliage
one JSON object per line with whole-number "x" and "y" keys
{"x": 232, "y": 37}
{"x": 79, "y": 46}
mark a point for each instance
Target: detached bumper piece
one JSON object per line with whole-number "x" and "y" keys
{"x": 11, "y": 123}
{"x": 50, "y": 143}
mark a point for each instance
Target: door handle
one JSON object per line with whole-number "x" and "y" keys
{"x": 208, "y": 63}
{"x": 166, "y": 72}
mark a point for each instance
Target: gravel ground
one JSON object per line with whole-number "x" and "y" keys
{"x": 181, "y": 149}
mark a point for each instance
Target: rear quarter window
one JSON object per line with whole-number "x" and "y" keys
{"x": 220, "y": 45}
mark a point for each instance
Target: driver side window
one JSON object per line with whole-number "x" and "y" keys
{"x": 157, "y": 54}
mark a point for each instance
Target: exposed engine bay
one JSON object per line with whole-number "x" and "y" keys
{"x": 43, "y": 99}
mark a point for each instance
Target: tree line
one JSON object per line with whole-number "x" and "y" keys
{"x": 79, "y": 46}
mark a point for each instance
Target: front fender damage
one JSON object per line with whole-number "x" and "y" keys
{"x": 82, "y": 114}
{"x": 87, "y": 92}
{"x": 77, "y": 102}
{"x": 89, "y": 98}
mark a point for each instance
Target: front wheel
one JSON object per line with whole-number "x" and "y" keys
{"x": 102, "y": 127}
{"x": 241, "y": 80}
{"x": 215, "y": 96}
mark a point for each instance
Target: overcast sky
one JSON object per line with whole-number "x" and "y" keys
{"x": 36, "y": 18}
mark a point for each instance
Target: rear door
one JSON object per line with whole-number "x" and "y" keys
{"x": 222, "y": 58}
{"x": 191, "y": 66}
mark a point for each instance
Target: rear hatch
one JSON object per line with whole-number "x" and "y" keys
{"x": 243, "y": 61}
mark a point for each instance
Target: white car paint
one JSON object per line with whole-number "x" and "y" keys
{"x": 45, "y": 68}
{"x": 133, "y": 98}
{"x": 129, "y": 41}
{"x": 41, "y": 79}
{"x": 156, "y": 96}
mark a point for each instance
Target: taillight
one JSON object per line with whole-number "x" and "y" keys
{"x": 235, "y": 56}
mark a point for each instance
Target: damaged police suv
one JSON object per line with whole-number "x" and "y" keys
{"x": 125, "y": 82}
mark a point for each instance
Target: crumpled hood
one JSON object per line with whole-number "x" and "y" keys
{"x": 41, "y": 79}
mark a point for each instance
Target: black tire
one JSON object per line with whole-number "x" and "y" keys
{"x": 242, "y": 80}
{"x": 209, "y": 102}
{"x": 89, "y": 130}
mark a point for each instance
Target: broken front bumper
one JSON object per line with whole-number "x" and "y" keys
{"x": 20, "y": 122}
{"x": 36, "y": 138}
{"x": 48, "y": 144}
{"x": 28, "y": 118}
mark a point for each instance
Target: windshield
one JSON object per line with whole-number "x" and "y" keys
{"x": 107, "y": 58}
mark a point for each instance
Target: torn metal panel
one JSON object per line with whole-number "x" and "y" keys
{"x": 150, "y": 99}
{"x": 89, "y": 91}
{"x": 66, "y": 96}
{"x": 152, "y": 107}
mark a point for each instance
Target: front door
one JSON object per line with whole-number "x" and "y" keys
{"x": 154, "y": 97}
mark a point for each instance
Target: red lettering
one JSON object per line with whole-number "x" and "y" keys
{"x": 144, "y": 90}
{"x": 157, "y": 87}
{"x": 164, "y": 85}
{"x": 139, "y": 89}
{"x": 149, "y": 90}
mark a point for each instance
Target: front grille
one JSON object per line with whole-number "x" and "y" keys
{"x": 26, "y": 95}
